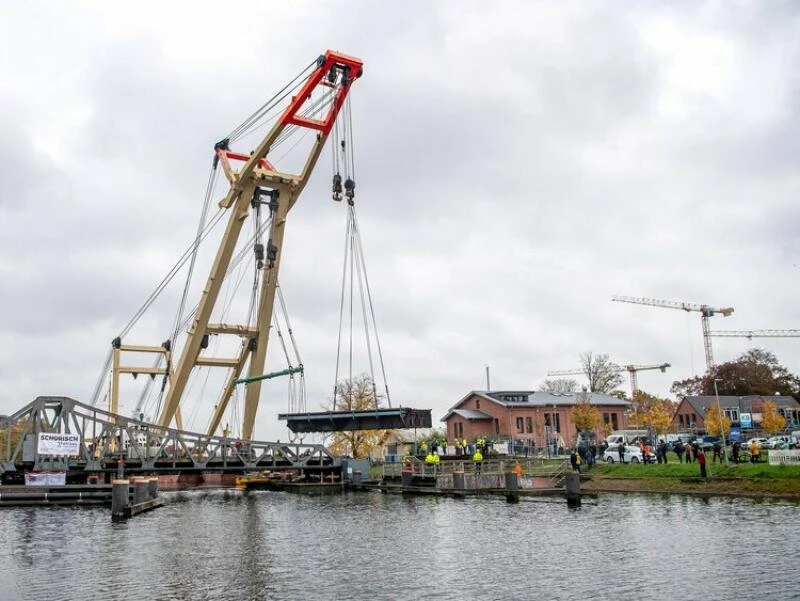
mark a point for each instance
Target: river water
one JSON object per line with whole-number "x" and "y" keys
{"x": 225, "y": 545}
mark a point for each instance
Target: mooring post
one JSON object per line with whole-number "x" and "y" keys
{"x": 458, "y": 483}
{"x": 512, "y": 487}
{"x": 407, "y": 476}
{"x": 141, "y": 490}
{"x": 574, "y": 489}
{"x": 119, "y": 499}
{"x": 152, "y": 487}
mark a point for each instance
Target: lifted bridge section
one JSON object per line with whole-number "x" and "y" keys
{"x": 371, "y": 419}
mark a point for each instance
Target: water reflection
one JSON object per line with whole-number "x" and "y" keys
{"x": 223, "y": 545}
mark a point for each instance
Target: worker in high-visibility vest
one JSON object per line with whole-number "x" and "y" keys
{"x": 477, "y": 458}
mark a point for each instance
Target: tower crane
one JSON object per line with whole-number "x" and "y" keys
{"x": 750, "y": 334}
{"x": 631, "y": 369}
{"x": 705, "y": 311}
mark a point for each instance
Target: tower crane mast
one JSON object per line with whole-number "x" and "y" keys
{"x": 705, "y": 311}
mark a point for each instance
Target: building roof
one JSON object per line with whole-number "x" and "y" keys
{"x": 472, "y": 414}
{"x": 531, "y": 398}
{"x": 701, "y": 404}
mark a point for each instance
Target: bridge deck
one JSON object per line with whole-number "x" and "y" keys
{"x": 372, "y": 419}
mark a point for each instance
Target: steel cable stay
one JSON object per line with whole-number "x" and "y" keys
{"x": 251, "y": 121}
{"x": 165, "y": 281}
{"x": 145, "y": 400}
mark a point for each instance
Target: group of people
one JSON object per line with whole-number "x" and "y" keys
{"x": 584, "y": 454}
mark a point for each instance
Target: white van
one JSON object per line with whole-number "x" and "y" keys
{"x": 626, "y": 436}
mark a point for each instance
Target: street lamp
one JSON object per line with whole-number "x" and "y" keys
{"x": 721, "y": 425}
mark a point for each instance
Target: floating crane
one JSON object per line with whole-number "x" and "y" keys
{"x": 705, "y": 311}
{"x": 750, "y": 334}
{"x": 631, "y": 369}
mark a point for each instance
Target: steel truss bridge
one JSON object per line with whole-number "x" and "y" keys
{"x": 106, "y": 439}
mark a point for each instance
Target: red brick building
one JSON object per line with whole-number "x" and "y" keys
{"x": 690, "y": 413}
{"x": 538, "y": 418}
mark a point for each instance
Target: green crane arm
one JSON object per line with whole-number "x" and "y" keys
{"x": 273, "y": 374}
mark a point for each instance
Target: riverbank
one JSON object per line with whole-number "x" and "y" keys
{"x": 760, "y": 480}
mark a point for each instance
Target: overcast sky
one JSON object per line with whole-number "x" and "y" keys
{"x": 517, "y": 164}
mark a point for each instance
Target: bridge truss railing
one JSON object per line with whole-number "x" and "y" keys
{"x": 105, "y": 439}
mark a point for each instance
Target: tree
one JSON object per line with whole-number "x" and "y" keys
{"x": 756, "y": 371}
{"x": 14, "y": 431}
{"x": 356, "y": 395}
{"x": 586, "y": 416}
{"x": 771, "y": 419}
{"x": 603, "y": 375}
{"x": 712, "y": 419}
{"x": 559, "y": 386}
{"x": 688, "y": 387}
{"x": 653, "y": 412}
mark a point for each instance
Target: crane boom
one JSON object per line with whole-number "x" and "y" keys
{"x": 705, "y": 311}
{"x": 756, "y": 333}
{"x": 257, "y": 180}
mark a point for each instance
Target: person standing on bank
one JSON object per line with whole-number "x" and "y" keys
{"x": 621, "y": 451}
{"x": 701, "y": 459}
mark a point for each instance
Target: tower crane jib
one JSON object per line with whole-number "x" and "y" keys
{"x": 705, "y": 311}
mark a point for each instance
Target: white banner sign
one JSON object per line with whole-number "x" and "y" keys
{"x": 45, "y": 479}
{"x": 784, "y": 457}
{"x": 58, "y": 444}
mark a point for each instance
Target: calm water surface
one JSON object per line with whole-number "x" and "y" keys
{"x": 224, "y": 545}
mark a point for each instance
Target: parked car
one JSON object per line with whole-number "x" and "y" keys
{"x": 632, "y": 454}
{"x": 706, "y": 442}
{"x": 778, "y": 442}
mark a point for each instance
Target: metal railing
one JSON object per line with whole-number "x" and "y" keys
{"x": 106, "y": 438}
{"x": 530, "y": 467}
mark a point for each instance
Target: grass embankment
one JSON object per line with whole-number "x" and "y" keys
{"x": 759, "y": 479}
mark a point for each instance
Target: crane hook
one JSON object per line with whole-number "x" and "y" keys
{"x": 337, "y": 187}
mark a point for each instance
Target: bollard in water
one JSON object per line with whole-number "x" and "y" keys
{"x": 407, "y": 476}
{"x": 573, "y": 490}
{"x": 141, "y": 490}
{"x": 512, "y": 487}
{"x": 119, "y": 499}
{"x": 356, "y": 477}
{"x": 152, "y": 487}
{"x": 458, "y": 482}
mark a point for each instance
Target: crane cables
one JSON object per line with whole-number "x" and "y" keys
{"x": 354, "y": 269}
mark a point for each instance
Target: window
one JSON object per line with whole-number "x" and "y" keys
{"x": 496, "y": 426}
{"x": 520, "y": 428}
{"x": 552, "y": 420}
{"x": 529, "y": 425}
{"x": 732, "y": 414}
{"x": 477, "y": 403}
{"x": 614, "y": 423}
{"x": 606, "y": 418}
{"x": 515, "y": 398}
